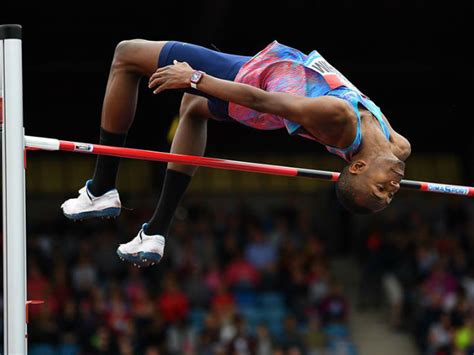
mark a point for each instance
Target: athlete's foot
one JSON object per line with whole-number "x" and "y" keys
{"x": 143, "y": 250}
{"x": 88, "y": 206}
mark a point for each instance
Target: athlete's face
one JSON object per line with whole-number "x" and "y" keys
{"x": 380, "y": 181}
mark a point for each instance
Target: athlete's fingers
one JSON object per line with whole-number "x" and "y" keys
{"x": 157, "y": 81}
{"x": 158, "y": 76}
{"x": 161, "y": 70}
{"x": 158, "y": 72}
{"x": 154, "y": 76}
{"x": 162, "y": 87}
{"x": 175, "y": 62}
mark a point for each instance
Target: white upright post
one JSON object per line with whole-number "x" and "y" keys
{"x": 13, "y": 177}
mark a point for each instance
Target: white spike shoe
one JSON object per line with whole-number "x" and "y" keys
{"x": 143, "y": 250}
{"x": 88, "y": 206}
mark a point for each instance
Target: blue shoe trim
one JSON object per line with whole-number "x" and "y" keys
{"x": 141, "y": 258}
{"x": 135, "y": 259}
{"x": 150, "y": 257}
{"x": 89, "y": 193}
{"x": 108, "y": 212}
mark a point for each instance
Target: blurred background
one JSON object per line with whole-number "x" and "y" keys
{"x": 255, "y": 264}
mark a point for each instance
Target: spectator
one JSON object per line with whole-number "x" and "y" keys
{"x": 68, "y": 323}
{"x": 318, "y": 281}
{"x": 213, "y": 276}
{"x": 264, "y": 342}
{"x": 468, "y": 284}
{"x": 426, "y": 258}
{"x": 291, "y": 337}
{"x": 45, "y": 331}
{"x": 117, "y": 313}
{"x": 334, "y": 307}
{"x": 61, "y": 289}
{"x": 135, "y": 286}
{"x": 463, "y": 335}
{"x": 84, "y": 274}
{"x": 440, "y": 282}
{"x": 440, "y": 335}
{"x": 196, "y": 290}
{"x": 222, "y": 303}
{"x": 239, "y": 273}
{"x": 241, "y": 343}
{"x": 103, "y": 343}
{"x": 260, "y": 252}
{"x": 296, "y": 289}
{"x": 314, "y": 337}
{"x": 209, "y": 336}
{"x": 172, "y": 303}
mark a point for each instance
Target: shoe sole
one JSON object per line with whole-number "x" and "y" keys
{"x": 140, "y": 259}
{"x": 105, "y": 213}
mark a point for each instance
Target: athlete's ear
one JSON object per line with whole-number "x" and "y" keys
{"x": 358, "y": 166}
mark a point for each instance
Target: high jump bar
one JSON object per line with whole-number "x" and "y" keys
{"x": 50, "y": 144}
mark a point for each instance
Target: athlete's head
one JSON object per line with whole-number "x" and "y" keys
{"x": 368, "y": 186}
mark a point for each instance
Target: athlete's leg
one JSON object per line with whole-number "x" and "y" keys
{"x": 147, "y": 247}
{"x": 190, "y": 138}
{"x": 132, "y": 60}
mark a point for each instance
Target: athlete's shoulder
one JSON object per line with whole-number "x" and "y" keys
{"x": 401, "y": 145}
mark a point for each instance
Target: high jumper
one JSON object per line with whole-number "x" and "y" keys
{"x": 279, "y": 87}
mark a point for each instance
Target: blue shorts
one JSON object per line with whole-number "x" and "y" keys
{"x": 220, "y": 65}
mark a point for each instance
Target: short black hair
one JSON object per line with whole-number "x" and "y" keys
{"x": 347, "y": 194}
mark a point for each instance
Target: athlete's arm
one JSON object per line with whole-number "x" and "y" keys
{"x": 315, "y": 114}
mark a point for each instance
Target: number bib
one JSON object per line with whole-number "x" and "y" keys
{"x": 330, "y": 74}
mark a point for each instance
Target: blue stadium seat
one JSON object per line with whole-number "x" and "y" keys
{"x": 41, "y": 349}
{"x": 252, "y": 315}
{"x": 275, "y": 329}
{"x": 272, "y": 315}
{"x": 270, "y": 300}
{"x": 245, "y": 298}
{"x": 196, "y": 318}
{"x": 336, "y": 331}
{"x": 345, "y": 347}
{"x": 68, "y": 349}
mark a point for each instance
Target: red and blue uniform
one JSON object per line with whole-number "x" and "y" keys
{"x": 277, "y": 68}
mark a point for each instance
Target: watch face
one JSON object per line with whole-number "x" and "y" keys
{"x": 196, "y": 76}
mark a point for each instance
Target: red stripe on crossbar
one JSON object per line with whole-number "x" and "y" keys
{"x": 471, "y": 192}
{"x": 233, "y": 165}
{"x": 177, "y": 158}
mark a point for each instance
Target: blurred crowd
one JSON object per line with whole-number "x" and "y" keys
{"x": 233, "y": 281}
{"x": 422, "y": 260}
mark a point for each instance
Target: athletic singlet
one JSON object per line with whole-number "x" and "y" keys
{"x": 279, "y": 68}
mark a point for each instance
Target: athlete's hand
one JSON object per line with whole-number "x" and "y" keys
{"x": 176, "y": 76}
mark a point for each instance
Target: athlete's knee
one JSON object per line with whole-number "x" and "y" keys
{"x": 125, "y": 54}
{"x": 193, "y": 107}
